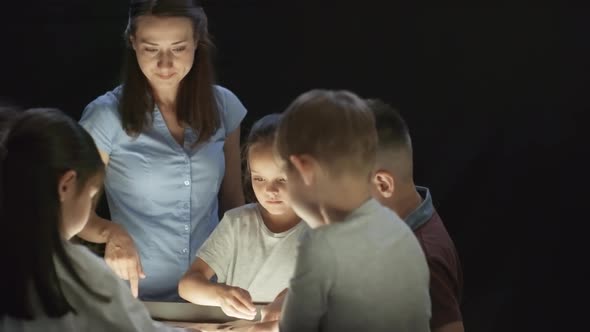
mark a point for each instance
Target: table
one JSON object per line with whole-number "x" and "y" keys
{"x": 206, "y": 318}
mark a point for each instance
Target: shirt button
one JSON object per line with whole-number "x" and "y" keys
{"x": 187, "y": 182}
{"x": 185, "y": 250}
{"x": 186, "y": 227}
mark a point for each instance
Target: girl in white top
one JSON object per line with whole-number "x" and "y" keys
{"x": 253, "y": 249}
{"x": 50, "y": 177}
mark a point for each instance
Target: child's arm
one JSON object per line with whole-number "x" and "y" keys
{"x": 258, "y": 327}
{"x": 266, "y": 327}
{"x": 445, "y": 289}
{"x": 196, "y": 287}
{"x": 272, "y": 311}
{"x": 306, "y": 301}
{"x": 451, "y": 327}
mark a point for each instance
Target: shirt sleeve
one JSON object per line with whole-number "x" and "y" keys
{"x": 307, "y": 298}
{"x": 443, "y": 294}
{"x": 218, "y": 249}
{"x": 233, "y": 112}
{"x": 102, "y": 121}
{"x": 138, "y": 317}
{"x": 122, "y": 312}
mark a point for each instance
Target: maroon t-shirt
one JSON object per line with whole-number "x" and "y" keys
{"x": 446, "y": 277}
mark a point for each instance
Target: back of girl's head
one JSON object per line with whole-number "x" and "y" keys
{"x": 39, "y": 146}
{"x": 262, "y": 132}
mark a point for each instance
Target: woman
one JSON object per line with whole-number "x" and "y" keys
{"x": 50, "y": 165}
{"x": 170, "y": 140}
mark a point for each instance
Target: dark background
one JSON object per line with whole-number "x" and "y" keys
{"x": 495, "y": 99}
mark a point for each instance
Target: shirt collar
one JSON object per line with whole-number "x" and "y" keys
{"x": 423, "y": 212}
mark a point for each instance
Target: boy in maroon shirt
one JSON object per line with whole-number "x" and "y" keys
{"x": 394, "y": 188}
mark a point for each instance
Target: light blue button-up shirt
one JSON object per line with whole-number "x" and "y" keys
{"x": 164, "y": 194}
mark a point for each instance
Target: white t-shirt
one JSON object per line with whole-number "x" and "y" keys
{"x": 123, "y": 312}
{"x": 244, "y": 253}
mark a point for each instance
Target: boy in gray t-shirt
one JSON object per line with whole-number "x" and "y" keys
{"x": 360, "y": 268}
{"x": 364, "y": 273}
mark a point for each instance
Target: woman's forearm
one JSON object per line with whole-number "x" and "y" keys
{"x": 97, "y": 229}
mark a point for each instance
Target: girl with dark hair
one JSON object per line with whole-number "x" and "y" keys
{"x": 170, "y": 139}
{"x": 253, "y": 250}
{"x": 50, "y": 177}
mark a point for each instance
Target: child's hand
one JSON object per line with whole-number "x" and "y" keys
{"x": 258, "y": 327}
{"x": 236, "y": 302}
{"x": 272, "y": 311}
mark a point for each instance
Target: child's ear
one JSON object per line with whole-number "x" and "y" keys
{"x": 66, "y": 186}
{"x": 132, "y": 43}
{"x": 304, "y": 164}
{"x": 384, "y": 182}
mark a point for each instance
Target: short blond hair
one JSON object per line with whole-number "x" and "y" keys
{"x": 335, "y": 127}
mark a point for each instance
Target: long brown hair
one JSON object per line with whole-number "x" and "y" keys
{"x": 196, "y": 103}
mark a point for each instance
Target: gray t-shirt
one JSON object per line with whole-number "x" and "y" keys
{"x": 366, "y": 273}
{"x": 244, "y": 253}
{"x": 122, "y": 313}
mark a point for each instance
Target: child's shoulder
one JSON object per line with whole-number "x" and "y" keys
{"x": 248, "y": 211}
{"x": 91, "y": 268}
{"x": 372, "y": 222}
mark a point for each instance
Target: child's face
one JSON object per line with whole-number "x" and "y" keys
{"x": 269, "y": 182}
{"x": 305, "y": 194}
{"x": 76, "y": 205}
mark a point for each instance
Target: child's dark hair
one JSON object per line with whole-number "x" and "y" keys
{"x": 8, "y": 113}
{"x": 263, "y": 131}
{"x": 392, "y": 130}
{"x": 39, "y": 146}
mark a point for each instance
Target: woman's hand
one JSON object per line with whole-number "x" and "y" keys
{"x": 122, "y": 257}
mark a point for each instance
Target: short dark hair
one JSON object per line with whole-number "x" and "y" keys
{"x": 263, "y": 131}
{"x": 40, "y": 145}
{"x": 392, "y": 129}
{"x": 8, "y": 114}
{"x": 335, "y": 127}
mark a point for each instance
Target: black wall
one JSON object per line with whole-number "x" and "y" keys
{"x": 494, "y": 98}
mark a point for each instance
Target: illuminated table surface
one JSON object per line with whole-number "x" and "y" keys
{"x": 206, "y": 318}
